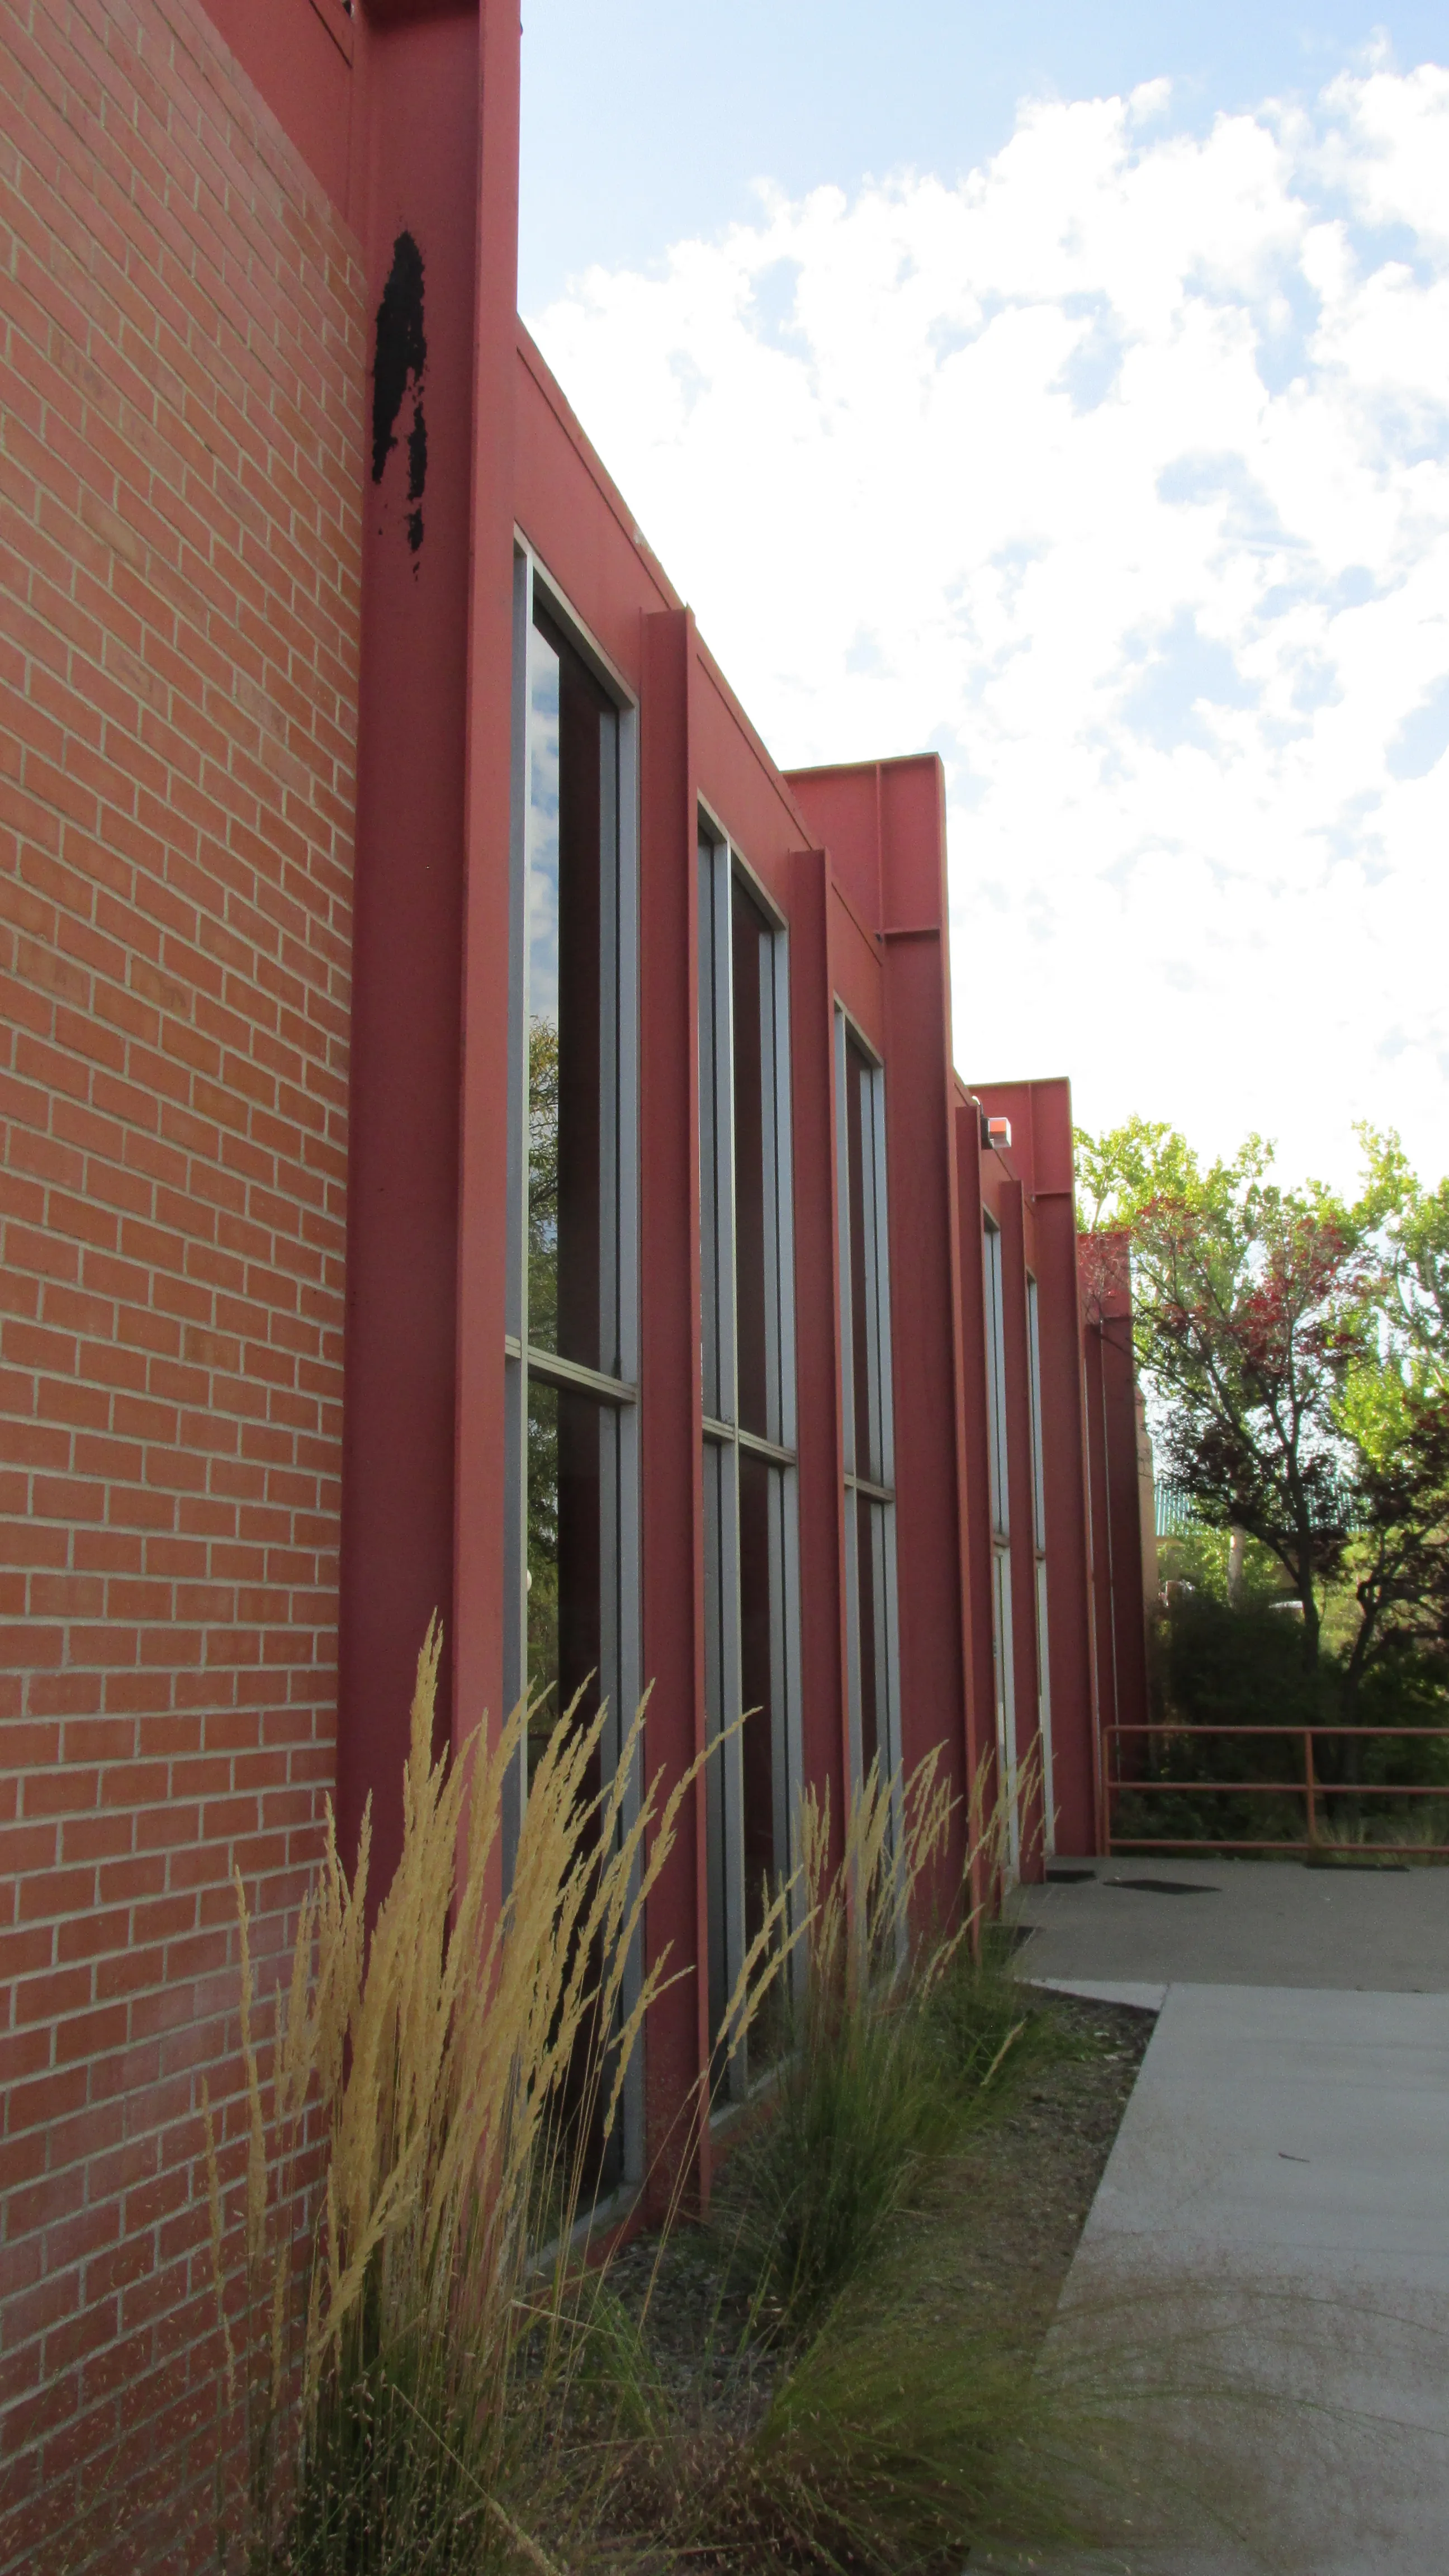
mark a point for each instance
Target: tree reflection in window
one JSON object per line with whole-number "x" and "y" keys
{"x": 543, "y": 1183}
{"x": 572, "y": 1296}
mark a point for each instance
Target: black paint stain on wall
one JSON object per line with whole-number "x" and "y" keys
{"x": 399, "y": 362}
{"x": 417, "y": 471}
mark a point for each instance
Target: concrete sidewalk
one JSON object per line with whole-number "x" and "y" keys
{"x": 1264, "y": 2274}
{"x": 1239, "y": 1922}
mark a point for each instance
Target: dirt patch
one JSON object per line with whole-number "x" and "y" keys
{"x": 1000, "y": 2218}
{"x": 991, "y": 2231}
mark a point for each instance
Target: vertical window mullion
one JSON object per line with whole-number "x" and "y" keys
{"x": 725, "y": 1792}
{"x": 725, "y": 1135}
{"x": 515, "y": 1312}
{"x": 571, "y": 1471}
{"x": 733, "y": 1750}
{"x": 885, "y": 1401}
{"x": 1001, "y": 1607}
{"x": 870, "y": 1444}
{"x": 787, "y": 1433}
{"x": 872, "y": 1662}
{"x": 1038, "y": 1531}
{"x": 747, "y": 1347}
{"x": 995, "y": 1379}
{"x": 769, "y": 1082}
{"x": 710, "y": 1288}
{"x": 847, "y": 1314}
{"x": 610, "y": 947}
{"x": 717, "y": 1655}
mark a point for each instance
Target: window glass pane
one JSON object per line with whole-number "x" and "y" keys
{"x": 1038, "y": 1512}
{"x": 754, "y": 1112}
{"x": 864, "y": 1322}
{"x": 571, "y": 1442}
{"x": 869, "y": 1576}
{"x": 748, "y": 1500}
{"x": 758, "y": 1613}
{"x": 572, "y": 984}
{"x": 712, "y": 1232}
{"x": 715, "y": 1655}
{"x": 995, "y": 1377}
{"x": 572, "y": 1481}
{"x": 870, "y": 1525}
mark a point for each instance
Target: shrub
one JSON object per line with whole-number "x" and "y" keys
{"x": 982, "y": 2021}
{"x": 1218, "y": 1665}
{"x": 887, "y": 2449}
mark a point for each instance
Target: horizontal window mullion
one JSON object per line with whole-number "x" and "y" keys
{"x": 725, "y": 1433}
{"x": 759, "y": 1447}
{"x": 571, "y": 1373}
{"x": 873, "y": 1493}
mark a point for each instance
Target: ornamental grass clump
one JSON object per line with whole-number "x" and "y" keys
{"x": 393, "y": 2350}
{"x": 871, "y": 2079}
{"x": 983, "y": 2021}
{"x": 424, "y": 2342}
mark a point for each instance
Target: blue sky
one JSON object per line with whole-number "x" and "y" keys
{"x": 1081, "y": 377}
{"x": 649, "y": 120}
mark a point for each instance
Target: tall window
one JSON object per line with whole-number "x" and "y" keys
{"x": 1001, "y": 1629}
{"x": 571, "y": 1345}
{"x": 870, "y": 1519}
{"x": 1038, "y": 1540}
{"x": 748, "y": 1351}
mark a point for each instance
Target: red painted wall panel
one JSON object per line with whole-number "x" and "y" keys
{"x": 923, "y": 1324}
{"x": 890, "y": 817}
{"x": 975, "y": 1469}
{"x": 843, "y": 807}
{"x": 576, "y": 523}
{"x": 1041, "y": 1120}
{"x": 402, "y": 1258}
{"x": 817, "y": 1289}
{"x": 300, "y": 55}
{"x": 671, "y": 1388}
{"x": 488, "y": 787}
{"x": 1013, "y": 1218}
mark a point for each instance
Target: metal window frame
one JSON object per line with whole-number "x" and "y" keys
{"x": 721, "y": 866}
{"x": 880, "y": 1493}
{"x": 996, "y": 1452}
{"x": 1039, "y": 1549}
{"x": 1002, "y": 1628}
{"x": 617, "y": 1396}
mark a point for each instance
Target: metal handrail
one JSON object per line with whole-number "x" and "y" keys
{"x": 1310, "y": 1788}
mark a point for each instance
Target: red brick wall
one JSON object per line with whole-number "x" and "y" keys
{"x": 182, "y": 339}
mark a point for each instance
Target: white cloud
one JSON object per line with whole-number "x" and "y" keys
{"x": 1120, "y": 475}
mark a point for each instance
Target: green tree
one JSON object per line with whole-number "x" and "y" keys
{"x": 1411, "y": 1225}
{"x": 1297, "y": 1346}
{"x": 1247, "y": 1312}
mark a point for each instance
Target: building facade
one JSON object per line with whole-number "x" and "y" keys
{"x": 477, "y": 1137}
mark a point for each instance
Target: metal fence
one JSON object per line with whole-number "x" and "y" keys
{"x": 1308, "y": 1785}
{"x": 1178, "y": 1516}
